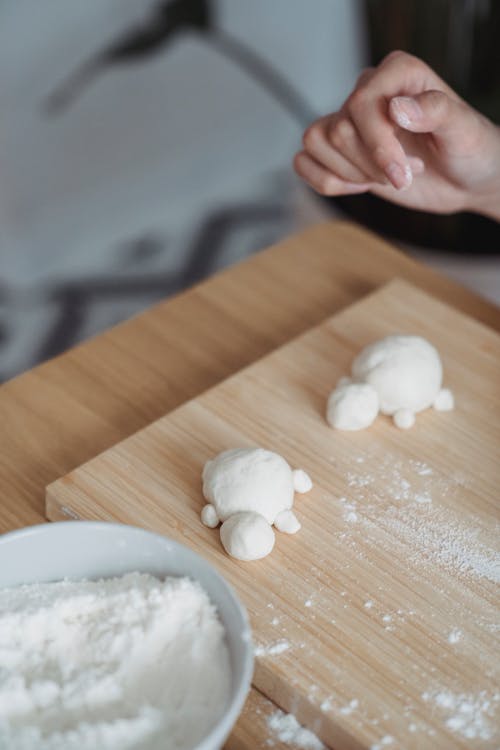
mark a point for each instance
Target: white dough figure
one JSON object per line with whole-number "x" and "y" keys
{"x": 402, "y": 373}
{"x": 249, "y": 490}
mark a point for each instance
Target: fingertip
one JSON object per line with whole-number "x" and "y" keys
{"x": 405, "y": 111}
{"x": 400, "y": 176}
{"x": 298, "y": 161}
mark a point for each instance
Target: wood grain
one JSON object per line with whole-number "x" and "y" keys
{"x": 397, "y": 548}
{"x": 62, "y": 413}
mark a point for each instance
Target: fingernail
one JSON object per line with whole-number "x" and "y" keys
{"x": 406, "y": 110}
{"x": 401, "y": 177}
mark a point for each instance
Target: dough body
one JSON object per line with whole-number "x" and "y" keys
{"x": 248, "y": 479}
{"x": 405, "y": 371}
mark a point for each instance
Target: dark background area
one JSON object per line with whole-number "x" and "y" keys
{"x": 145, "y": 144}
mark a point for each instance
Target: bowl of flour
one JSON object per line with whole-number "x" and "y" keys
{"x": 116, "y": 638}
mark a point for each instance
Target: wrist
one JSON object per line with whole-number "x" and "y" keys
{"x": 485, "y": 199}
{"x": 486, "y": 203}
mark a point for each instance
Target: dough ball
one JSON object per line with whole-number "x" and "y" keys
{"x": 302, "y": 482}
{"x": 405, "y": 371}
{"x": 352, "y": 407}
{"x": 444, "y": 401}
{"x": 404, "y": 419}
{"x": 287, "y": 522}
{"x": 247, "y": 536}
{"x": 209, "y": 516}
{"x": 248, "y": 479}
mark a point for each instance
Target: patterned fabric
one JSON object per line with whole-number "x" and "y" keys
{"x": 143, "y": 145}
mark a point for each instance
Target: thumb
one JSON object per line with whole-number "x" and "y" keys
{"x": 429, "y": 112}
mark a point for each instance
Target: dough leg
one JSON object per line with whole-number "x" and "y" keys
{"x": 404, "y": 419}
{"x": 444, "y": 401}
{"x": 287, "y": 522}
{"x": 209, "y": 516}
{"x": 301, "y": 481}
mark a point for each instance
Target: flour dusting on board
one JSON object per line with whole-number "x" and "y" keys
{"x": 402, "y": 497}
{"x": 455, "y": 636}
{"x": 287, "y": 729}
{"x": 272, "y": 649}
{"x": 467, "y": 714}
{"x": 384, "y": 742}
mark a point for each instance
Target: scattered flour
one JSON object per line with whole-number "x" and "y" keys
{"x": 455, "y": 636}
{"x": 120, "y": 663}
{"x": 436, "y": 538}
{"x": 468, "y": 714}
{"x": 287, "y": 729}
{"x": 402, "y": 504}
{"x": 384, "y": 742}
{"x": 273, "y": 649}
{"x": 351, "y": 706}
{"x": 421, "y": 468}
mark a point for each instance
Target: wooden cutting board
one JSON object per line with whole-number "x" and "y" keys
{"x": 377, "y": 624}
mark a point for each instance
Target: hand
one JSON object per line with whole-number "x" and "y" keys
{"x": 405, "y": 136}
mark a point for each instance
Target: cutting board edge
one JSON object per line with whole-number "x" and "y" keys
{"x": 57, "y": 489}
{"x": 394, "y": 283}
{"x": 50, "y": 488}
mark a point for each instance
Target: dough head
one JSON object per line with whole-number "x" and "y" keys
{"x": 353, "y": 406}
{"x": 247, "y": 536}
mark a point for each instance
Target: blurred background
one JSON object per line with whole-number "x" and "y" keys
{"x": 145, "y": 144}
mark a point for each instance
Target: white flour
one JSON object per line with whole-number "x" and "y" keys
{"x": 287, "y": 729}
{"x": 273, "y": 649}
{"x": 431, "y": 534}
{"x": 131, "y": 662}
{"x": 468, "y": 714}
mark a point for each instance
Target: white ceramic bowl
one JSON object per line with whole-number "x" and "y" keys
{"x": 87, "y": 549}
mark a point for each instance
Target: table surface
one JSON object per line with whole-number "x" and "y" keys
{"x": 71, "y": 408}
